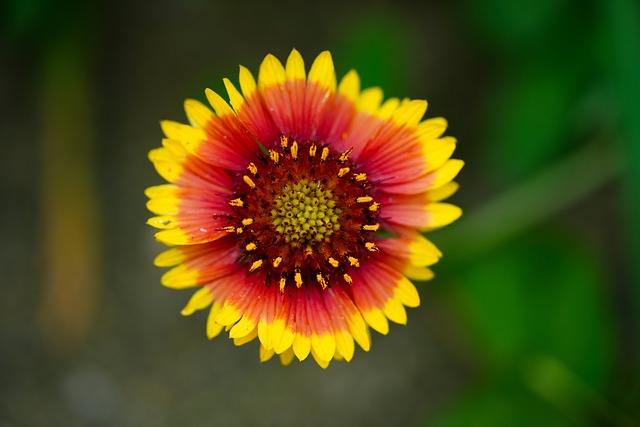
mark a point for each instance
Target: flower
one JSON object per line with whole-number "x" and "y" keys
{"x": 296, "y": 212}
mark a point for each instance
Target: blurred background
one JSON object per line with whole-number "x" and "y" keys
{"x": 532, "y": 319}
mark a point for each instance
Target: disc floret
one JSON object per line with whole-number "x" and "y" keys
{"x": 304, "y": 214}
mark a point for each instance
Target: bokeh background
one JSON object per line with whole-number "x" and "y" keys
{"x": 532, "y": 319}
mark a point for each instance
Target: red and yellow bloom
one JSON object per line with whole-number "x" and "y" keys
{"x": 296, "y": 212}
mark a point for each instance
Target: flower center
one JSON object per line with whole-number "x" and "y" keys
{"x": 303, "y": 214}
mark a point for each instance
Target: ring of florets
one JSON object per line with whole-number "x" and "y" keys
{"x": 304, "y": 214}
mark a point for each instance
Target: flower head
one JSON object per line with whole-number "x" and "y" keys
{"x": 296, "y": 212}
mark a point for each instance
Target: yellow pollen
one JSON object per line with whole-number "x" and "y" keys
{"x": 252, "y": 168}
{"x": 250, "y": 247}
{"x": 347, "y": 278}
{"x": 353, "y": 261}
{"x": 256, "y": 265}
{"x": 371, "y": 246}
{"x": 312, "y": 150}
{"x": 284, "y": 141}
{"x": 274, "y": 156}
{"x": 345, "y": 156}
{"x": 298, "y": 279}
{"x": 294, "y": 150}
{"x": 277, "y": 261}
{"x": 249, "y": 181}
{"x": 360, "y": 176}
{"x": 321, "y": 280}
{"x": 236, "y": 202}
{"x": 239, "y": 230}
{"x": 229, "y": 229}
{"x": 283, "y": 282}
{"x": 247, "y": 221}
{"x": 364, "y": 199}
{"x": 342, "y": 172}
{"x": 334, "y": 262}
{"x": 325, "y": 154}
{"x": 374, "y": 206}
{"x": 372, "y": 227}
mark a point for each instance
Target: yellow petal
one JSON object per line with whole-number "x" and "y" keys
{"x": 287, "y": 357}
{"x": 344, "y": 345}
{"x": 376, "y": 319}
{"x": 301, "y": 346}
{"x": 219, "y": 105}
{"x": 228, "y": 315}
{"x": 198, "y": 115}
{"x": 271, "y": 73}
{"x": 422, "y": 252}
{"x": 441, "y": 214}
{"x": 169, "y": 258}
{"x": 359, "y": 331}
{"x": 180, "y": 277}
{"x": 265, "y": 354}
{"x": 201, "y": 299}
{"x": 247, "y": 338}
{"x": 446, "y": 173}
{"x": 323, "y": 72}
{"x": 324, "y": 345}
{"x": 324, "y": 364}
{"x": 414, "y": 272}
{"x": 409, "y": 113}
{"x": 387, "y": 108}
{"x": 244, "y": 327}
{"x": 407, "y": 293}
{"x": 188, "y": 135}
{"x": 370, "y": 100}
{"x": 395, "y": 311}
{"x": 432, "y": 128}
{"x": 443, "y": 192}
{"x": 247, "y": 82}
{"x": 214, "y": 328}
{"x": 165, "y": 164}
{"x": 236, "y": 99}
{"x": 295, "y": 66}
{"x": 163, "y": 222}
{"x": 350, "y": 86}
{"x": 173, "y": 237}
{"x": 438, "y": 152}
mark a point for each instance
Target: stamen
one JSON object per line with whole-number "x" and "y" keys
{"x": 298, "y": 279}
{"x": 373, "y": 227}
{"x": 239, "y": 230}
{"x": 334, "y": 262}
{"x": 294, "y": 150}
{"x": 252, "y": 168}
{"x": 325, "y": 154}
{"x": 247, "y": 221}
{"x": 284, "y": 141}
{"x": 371, "y": 246}
{"x": 256, "y": 265}
{"x": 277, "y": 261}
{"x": 374, "y": 206}
{"x": 321, "y": 280}
{"x": 347, "y": 278}
{"x": 250, "y": 247}
{"x": 345, "y": 156}
{"x": 360, "y": 176}
{"x": 342, "y": 172}
{"x": 236, "y": 202}
{"x": 274, "y": 156}
{"x": 364, "y": 199}
{"x": 283, "y": 282}
{"x": 249, "y": 182}
{"x": 229, "y": 229}
{"x": 353, "y": 261}
{"x": 312, "y": 150}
